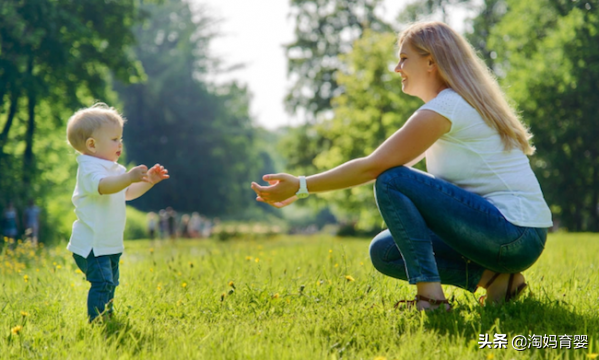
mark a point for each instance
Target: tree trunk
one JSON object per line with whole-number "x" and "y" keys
{"x": 28, "y": 155}
{"x": 594, "y": 221}
{"x": 14, "y": 99}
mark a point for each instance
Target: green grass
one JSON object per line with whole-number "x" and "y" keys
{"x": 292, "y": 300}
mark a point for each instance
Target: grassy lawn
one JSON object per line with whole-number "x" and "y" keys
{"x": 283, "y": 298}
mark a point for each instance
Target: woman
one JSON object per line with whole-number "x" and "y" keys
{"x": 478, "y": 217}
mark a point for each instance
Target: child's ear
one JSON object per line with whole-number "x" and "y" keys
{"x": 90, "y": 145}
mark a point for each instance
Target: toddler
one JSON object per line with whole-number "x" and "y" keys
{"x": 102, "y": 188}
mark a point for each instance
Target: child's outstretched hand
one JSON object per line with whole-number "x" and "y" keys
{"x": 138, "y": 173}
{"x": 156, "y": 174}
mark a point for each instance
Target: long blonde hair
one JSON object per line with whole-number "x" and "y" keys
{"x": 463, "y": 71}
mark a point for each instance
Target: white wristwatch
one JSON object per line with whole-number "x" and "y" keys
{"x": 302, "y": 193}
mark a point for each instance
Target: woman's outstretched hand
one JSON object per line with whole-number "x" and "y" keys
{"x": 280, "y": 192}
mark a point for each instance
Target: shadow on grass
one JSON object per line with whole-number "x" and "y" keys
{"x": 526, "y": 316}
{"x": 123, "y": 334}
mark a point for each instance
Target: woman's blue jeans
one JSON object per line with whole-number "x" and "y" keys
{"x": 103, "y": 274}
{"x": 438, "y": 232}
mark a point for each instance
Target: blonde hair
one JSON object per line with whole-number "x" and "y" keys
{"x": 464, "y": 72}
{"x": 84, "y": 122}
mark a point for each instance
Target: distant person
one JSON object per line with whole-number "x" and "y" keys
{"x": 31, "y": 221}
{"x": 184, "y": 226}
{"x": 152, "y": 224}
{"x": 171, "y": 223}
{"x": 478, "y": 217}
{"x": 103, "y": 186}
{"x": 163, "y": 223}
{"x": 195, "y": 223}
{"x": 206, "y": 227}
{"x": 10, "y": 226}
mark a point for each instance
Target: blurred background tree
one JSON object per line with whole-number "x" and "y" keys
{"x": 55, "y": 56}
{"x": 151, "y": 60}
{"x": 547, "y": 52}
{"x": 202, "y": 132}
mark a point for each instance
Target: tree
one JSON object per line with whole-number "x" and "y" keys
{"x": 548, "y": 52}
{"x": 55, "y": 56}
{"x": 370, "y": 110}
{"x": 324, "y": 29}
{"x": 203, "y": 134}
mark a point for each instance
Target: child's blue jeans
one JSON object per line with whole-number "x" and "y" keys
{"x": 438, "y": 232}
{"x": 103, "y": 274}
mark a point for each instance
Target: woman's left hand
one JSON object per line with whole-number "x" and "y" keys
{"x": 280, "y": 192}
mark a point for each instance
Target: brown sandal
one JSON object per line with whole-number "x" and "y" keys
{"x": 509, "y": 296}
{"x": 412, "y": 303}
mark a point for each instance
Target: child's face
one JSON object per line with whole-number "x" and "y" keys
{"x": 106, "y": 142}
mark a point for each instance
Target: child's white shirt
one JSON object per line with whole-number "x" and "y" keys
{"x": 100, "y": 218}
{"x": 472, "y": 156}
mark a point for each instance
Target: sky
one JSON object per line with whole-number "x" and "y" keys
{"x": 253, "y": 32}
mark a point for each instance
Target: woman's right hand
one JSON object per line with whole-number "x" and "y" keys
{"x": 280, "y": 192}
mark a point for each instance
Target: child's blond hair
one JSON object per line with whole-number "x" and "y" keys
{"x": 84, "y": 122}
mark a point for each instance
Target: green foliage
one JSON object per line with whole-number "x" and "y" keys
{"x": 283, "y": 298}
{"x": 136, "y": 227}
{"x": 54, "y": 56}
{"x": 202, "y": 134}
{"x": 370, "y": 110}
{"x": 420, "y": 10}
{"x": 324, "y": 29}
{"x": 549, "y": 55}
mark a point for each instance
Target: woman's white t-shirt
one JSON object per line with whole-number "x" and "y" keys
{"x": 472, "y": 156}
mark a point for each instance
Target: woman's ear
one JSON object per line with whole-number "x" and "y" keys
{"x": 431, "y": 64}
{"x": 90, "y": 145}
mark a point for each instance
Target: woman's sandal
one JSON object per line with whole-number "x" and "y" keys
{"x": 509, "y": 296}
{"x": 412, "y": 303}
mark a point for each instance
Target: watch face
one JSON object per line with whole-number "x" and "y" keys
{"x": 302, "y": 195}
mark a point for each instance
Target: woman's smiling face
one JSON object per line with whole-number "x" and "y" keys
{"x": 418, "y": 73}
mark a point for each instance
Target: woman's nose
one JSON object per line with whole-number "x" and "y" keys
{"x": 398, "y": 68}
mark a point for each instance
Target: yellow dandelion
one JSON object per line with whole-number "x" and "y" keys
{"x": 257, "y": 260}
{"x": 78, "y": 271}
{"x": 330, "y": 251}
{"x": 336, "y": 265}
{"x": 37, "y": 270}
{"x": 72, "y": 284}
{"x": 592, "y": 356}
{"x": 184, "y": 284}
{"x": 361, "y": 263}
{"x": 16, "y": 330}
{"x": 490, "y": 356}
{"x": 151, "y": 269}
{"x": 151, "y": 250}
{"x": 231, "y": 284}
{"x": 248, "y": 258}
{"x": 121, "y": 262}
{"x": 24, "y": 314}
{"x": 158, "y": 287}
{"x": 349, "y": 278}
{"x": 222, "y": 296}
{"x": 275, "y": 296}
{"x": 26, "y": 278}
{"x": 58, "y": 267}
{"x": 54, "y": 263}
